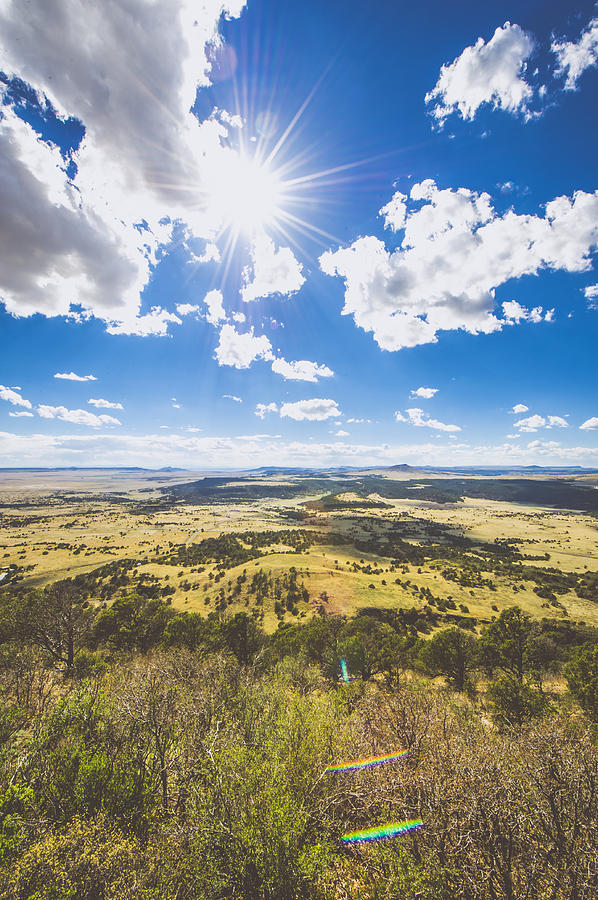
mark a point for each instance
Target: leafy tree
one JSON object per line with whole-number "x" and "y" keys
{"x": 450, "y": 652}
{"x": 514, "y": 702}
{"x": 581, "y": 673}
{"x": 132, "y": 623}
{"x": 370, "y": 647}
{"x": 504, "y": 643}
{"x": 57, "y": 620}
{"x": 189, "y": 630}
{"x": 242, "y": 635}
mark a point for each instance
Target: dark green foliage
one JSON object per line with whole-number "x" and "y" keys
{"x": 581, "y": 673}
{"x": 131, "y": 623}
{"x": 545, "y": 492}
{"x": 57, "y": 621}
{"x": 450, "y": 652}
{"x": 514, "y": 702}
{"x": 504, "y": 643}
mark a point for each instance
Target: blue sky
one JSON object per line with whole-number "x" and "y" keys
{"x": 298, "y": 234}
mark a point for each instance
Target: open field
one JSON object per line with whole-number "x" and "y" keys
{"x": 469, "y": 557}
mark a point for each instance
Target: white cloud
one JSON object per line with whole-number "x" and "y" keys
{"x": 152, "y": 324}
{"x": 301, "y": 370}
{"x": 211, "y": 254}
{"x": 533, "y": 423}
{"x": 591, "y": 295}
{"x": 232, "y": 397}
{"x": 13, "y": 396}
{"x": 175, "y": 405}
{"x": 71, "y": 376}
{"x": 456, "y": 250}
{"x": 216, "y": 313}
{"x": 56, "y": 250}
{"x": 238, "y": 317}
{"x": 514, "y": 312}
{"x": 590, "y": 424}
{"x": 76, "y": 416}
{"x": 99, "y": 403}
{"x": 417, "y": 417}
{"x": 395, "y": 212}
{"x": 359, "y": 421}
{"x": 170, "y": 448}
{"x": 272, "y": 271}
{"x": 185, "y": 309}
{"x": 574, "y": 57}
{"x": 240, "y": 350}
{"x": 262, "y": 409}
{"x": 23, "y": 412}
{"x": 424, "y": 392}
{"x": 519, "y": 408}
{"x": 316, "y": 410}
{"x": 489, "y": 72}
{"x": 341, "y": 433}
{"x": 128, "y": 71}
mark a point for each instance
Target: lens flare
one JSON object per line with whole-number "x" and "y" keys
{"x": 382, "y": 832}
{"x": 356, "y": 764}
{"x": 344, "y": 671}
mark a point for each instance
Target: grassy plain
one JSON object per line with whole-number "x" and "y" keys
{"x": 61, "y": 524}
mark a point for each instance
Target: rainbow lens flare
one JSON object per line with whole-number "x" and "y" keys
{"x": 344, "y": 671}
{"x": 382, "y": 832}
{"x": 355, "y": 764}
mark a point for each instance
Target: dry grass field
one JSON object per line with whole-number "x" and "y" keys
{"x": 61, "y": 524}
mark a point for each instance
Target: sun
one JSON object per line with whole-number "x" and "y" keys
{"x": 249, "y": 195}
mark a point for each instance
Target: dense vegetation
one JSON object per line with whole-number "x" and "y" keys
{"x": 542, "y": 492}
{"x": 149, "y": 753}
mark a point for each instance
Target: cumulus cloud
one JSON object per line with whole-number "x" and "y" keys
{"x": 232, "y": 397}
{"x": 20, "y": 413}
{"x": 424, "y": 392}
{"x": 152, "y": 324}
{"x": 240, "y": 350}
{"x": 76, "y": 416}
{"x": 272, "y": 271}
{"x": 455, "y": 251}
{"x": 99, "y": 403}
{"x": 591, "y": 295}
{"x": 574, "y": 57}
{"x": 395, "y": 211}
{"x": 301, "y": 370}
{"x": 487, "y": 72}
{"x": 533, "y": 423}
{"x": 211, "y": 254}
{"x": 185, "y": 309}
{"x": 71, "y": 376}
{"x": 589, "y": 424}
{"x": 417, "y": 417}
{"x": 76, "y": 238}
{"x": 519, "y": 408}
{"x": 13, "y": 396}
{"x": 315, "y": 410}
{"x": 262, "y": 409}
{"x": 514, "y": 312}
{"x": 216, "y": 313}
